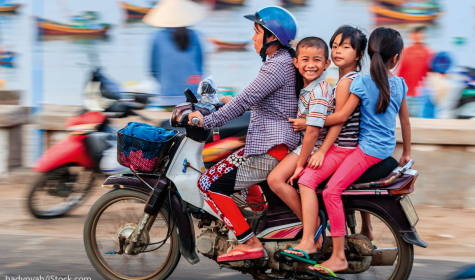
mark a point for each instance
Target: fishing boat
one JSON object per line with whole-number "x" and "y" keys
{"x": 7, "y": 57}
{"x": 225, "y": 2}
{"x": 228, "y": 45}
{"x": 386, "y": 14}
{"x": 294, "y": 2}
{"x": 134, "y": 11}
{"x": 9, "y": 8}
{"x": 83, "y": 28}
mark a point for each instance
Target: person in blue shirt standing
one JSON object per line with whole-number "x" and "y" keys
{"x": 177, "y": 54}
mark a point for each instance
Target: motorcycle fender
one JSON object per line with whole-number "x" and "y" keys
{"x": 183, "y": 220}
{"x": 390, "y": 207}
{"x": 69, "y": 150}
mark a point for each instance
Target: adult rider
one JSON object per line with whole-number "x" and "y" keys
{"x": 272, "y": 99}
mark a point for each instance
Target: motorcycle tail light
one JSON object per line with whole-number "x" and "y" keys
{"x": 407, "y": 188}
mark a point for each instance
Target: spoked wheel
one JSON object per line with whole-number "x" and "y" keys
{"x": 114, "y": 216}
{"x": 59, "y": 191}
{"x": 385, "y": 237}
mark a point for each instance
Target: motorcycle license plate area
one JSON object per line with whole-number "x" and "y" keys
{"x": 409, "y": 210}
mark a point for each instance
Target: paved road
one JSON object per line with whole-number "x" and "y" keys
{"x": 32, "y": 247}
{"x": 29, "y": 255}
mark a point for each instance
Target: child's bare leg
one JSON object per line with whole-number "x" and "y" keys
{"x": 337, "y": 262}
{"x": 366, "y": 226}
{"x": 277, "y": 181}
{"x": 310, "y": 222}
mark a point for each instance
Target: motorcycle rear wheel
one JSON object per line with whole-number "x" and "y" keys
{"x": 104, "y": 220}
{"x": 385, "y": 236}
{"x": 59, "y": 191}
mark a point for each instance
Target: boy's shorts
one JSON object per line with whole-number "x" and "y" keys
{"x": 311, "y": 178}
{"x": 299, "y": 149}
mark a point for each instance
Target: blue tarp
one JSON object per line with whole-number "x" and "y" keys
{"x": 146, "y": 132}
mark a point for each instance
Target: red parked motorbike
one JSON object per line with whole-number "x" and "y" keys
{"x": 69, "y": 166}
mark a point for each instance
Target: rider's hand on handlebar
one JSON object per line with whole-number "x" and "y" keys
{"x": 198, "y": 115}
{"x": 226, "y": 99}
{"x": 299, "y": 124}
{"x": 296, "y": 176}
{"x": 404, "y": 159}
{"x": 316, "y": 160}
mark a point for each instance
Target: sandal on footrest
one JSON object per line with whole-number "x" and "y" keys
{"x": 312, "y": 258}
{"x": 323, "y": 276}
{"x": 241, "y": 255}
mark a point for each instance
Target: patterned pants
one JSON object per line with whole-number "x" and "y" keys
{"x": 232, "y": 174}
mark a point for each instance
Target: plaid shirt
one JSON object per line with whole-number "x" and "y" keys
{"x": 271, "y": 97}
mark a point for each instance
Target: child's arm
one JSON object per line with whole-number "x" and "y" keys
{"x": 342, "y": 95}
{"x": 315, "y": 120}
{"x": 406, "y": 133}
{"x": 343, "y": 115}
{"x": 308, "y": 143}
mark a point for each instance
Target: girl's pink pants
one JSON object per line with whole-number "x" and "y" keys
{"x": 350, "y": 169}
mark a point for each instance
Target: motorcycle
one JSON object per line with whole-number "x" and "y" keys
{"x": 465, "y": 108}
{"x": 68, "y": 168}
{"x": 141, "y": 228}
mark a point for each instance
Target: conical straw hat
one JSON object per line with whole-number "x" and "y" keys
{"x": 175, "y": 13}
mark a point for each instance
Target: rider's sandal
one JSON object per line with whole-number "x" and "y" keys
{"x": 374, "y": 246}
{"x": 312, "y": 258}
{"x": 241, "y": 255}
{"x": 323, "y": 276}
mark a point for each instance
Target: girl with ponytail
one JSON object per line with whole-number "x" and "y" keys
{"x": 381, "y": 96}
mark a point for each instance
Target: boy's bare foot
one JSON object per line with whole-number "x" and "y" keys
{"x": 334, "y": 264}
{"x": 307, "y": 247}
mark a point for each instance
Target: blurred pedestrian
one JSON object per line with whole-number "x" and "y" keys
{"x": 177, "y": 54}
{"x": 413, "y": 67}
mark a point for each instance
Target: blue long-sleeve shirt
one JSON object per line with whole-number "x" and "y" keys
{"x": 175, "y": 69}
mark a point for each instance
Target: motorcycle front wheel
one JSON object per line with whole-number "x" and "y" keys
{"x": 59, "y": 191}
{"x": 116, "y": 214}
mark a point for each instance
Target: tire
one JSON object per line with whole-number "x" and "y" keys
{"x": 62, "y": 208}
{"x": 405, "y": 257}
{"x": 92, "y": 249}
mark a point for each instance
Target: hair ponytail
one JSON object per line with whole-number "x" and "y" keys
{"x": 384, "y": 44}
{"x": 380, "y": 78}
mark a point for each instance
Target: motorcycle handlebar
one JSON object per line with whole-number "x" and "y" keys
{"x": 195, "y": 121}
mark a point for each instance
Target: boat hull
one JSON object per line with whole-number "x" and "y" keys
{"x": 7, "y": 58}
{"x": 49, "y": 27}
{"x": 227, "y": 2}
{"x": 134, "y": 11}
{"x": 387, "y": 14}
{"x": 9, "y": 8}
{"x": 294, "y": 2}
{"x": 229, "y": 45}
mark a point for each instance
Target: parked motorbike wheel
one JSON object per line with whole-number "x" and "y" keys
{"x": 57, "y": 192}
{"x": 116, "y": 214}
{"x": 385, "y": 237}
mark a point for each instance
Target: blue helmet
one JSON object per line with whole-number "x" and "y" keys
{"x": 277, "y": 21}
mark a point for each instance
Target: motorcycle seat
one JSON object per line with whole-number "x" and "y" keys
{"x": 375, "y": 173}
